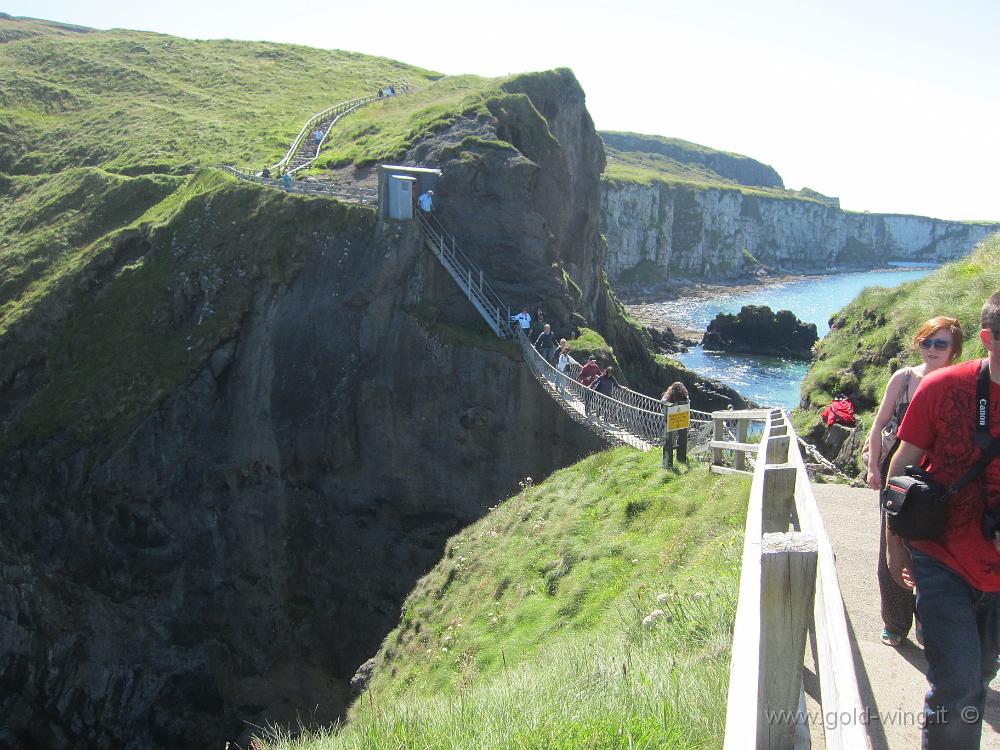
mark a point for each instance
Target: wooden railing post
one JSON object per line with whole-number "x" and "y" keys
{"x": 718, "y": 433}
{"x": 742, "y": 426}
{"x": 787, "y": 588}
{"x": 779, "y": 498}
{"x": 777, "y": 449}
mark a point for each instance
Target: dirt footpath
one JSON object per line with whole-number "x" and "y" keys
{"x": 892, "y": 681}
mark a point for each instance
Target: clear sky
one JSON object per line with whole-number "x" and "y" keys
{"x": 892, "y": 105}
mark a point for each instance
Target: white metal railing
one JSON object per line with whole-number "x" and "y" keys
{"x": 325, "y": 121}
{"x": 309, "y": 187}
{"x": 327, "y": 118}
{"x": 467, "y": 275}
{"x": 789, "y": 591}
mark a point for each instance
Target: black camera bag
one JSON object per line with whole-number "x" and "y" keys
{"x": 916, "y": 506}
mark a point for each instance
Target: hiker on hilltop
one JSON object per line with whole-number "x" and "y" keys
{"x": 952, "y": 430}
{"x": 939, "y": 341}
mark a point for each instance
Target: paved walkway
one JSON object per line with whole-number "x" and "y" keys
{"x": 891, "y": 680}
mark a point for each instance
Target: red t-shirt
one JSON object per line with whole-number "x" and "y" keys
{"x": 941, "y": 421}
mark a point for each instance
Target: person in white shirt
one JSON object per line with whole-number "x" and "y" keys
{"x": 523, "y": 319}
{"x": 426, "y": 201}
{"x": 563, "y": 363}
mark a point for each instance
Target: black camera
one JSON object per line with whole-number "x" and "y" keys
{"x": 991, "y": 522}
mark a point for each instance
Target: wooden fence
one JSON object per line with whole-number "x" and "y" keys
{"x": 788, "y": 592}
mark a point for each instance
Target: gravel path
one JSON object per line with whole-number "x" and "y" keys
{"x": 892, "y": 681}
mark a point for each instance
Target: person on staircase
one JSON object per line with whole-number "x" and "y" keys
{"x": 523, "y": 320}
{"x": 546, "y": 344}
{"x": 588, "y": 374}
{"x": 426, "y": 201}
{"x": 939, "y": 343}
{"x": 318, "y": 135}
{"x": 952, "y": 424}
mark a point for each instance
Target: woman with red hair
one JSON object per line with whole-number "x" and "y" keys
{"x": 939, "y": 343}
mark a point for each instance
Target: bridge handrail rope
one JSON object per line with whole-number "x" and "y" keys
{"x": 623, "y": 422}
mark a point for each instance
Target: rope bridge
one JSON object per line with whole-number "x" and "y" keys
{"x": 626, "y": 417}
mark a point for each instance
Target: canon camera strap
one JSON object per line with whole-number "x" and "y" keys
{"x": 983, "y": 406}
{"x": 990, "y": 448}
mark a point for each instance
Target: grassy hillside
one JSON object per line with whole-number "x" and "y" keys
{"x": 872, "y": 337}
{"x": 647, "y": 168}
{"x": 529, "y": 633}
{"x": 98, "y": 127}
{"x": 136, "y": 102}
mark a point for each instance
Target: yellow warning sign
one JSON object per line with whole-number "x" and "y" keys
{"x": 678, "y": 418}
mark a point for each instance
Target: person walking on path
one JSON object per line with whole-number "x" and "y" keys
{"x": 588, "y": 374}
{"x": 562, "y": 364}
{"x": 939, "y": 342}
{"x": 318, "y": 135}
{"x": 546, "y": 344}
{"x": 426, "y": 202}
{"x": 286, "y": 180}
{"x": 953, "y": 415}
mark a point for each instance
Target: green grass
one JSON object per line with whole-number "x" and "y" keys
{"x": 528, "y": 634}
{"x": 872, "y": 337}
{"x": 136, "y": 102}
{"x": 173, "y": 287}
{"x": 50, "y": 226}
{"x": 387, "y": 128}
{"x": 591, "y": 342}
{"x": 640, "y": 168}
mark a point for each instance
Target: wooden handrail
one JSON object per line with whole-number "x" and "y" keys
{"x": 788, "y": 588}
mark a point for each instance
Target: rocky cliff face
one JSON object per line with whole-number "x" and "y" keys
{"x": 662, "y": 232}
{"x": 249, "y": 543}
{"x": 233, "y": 550}
{"x": 233, "y": 441}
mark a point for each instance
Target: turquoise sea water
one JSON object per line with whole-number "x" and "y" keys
{"x": 772, "y": 381}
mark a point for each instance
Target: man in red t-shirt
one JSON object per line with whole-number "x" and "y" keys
{"x": 588, "y": 374}
{"x": 957, "y": 576}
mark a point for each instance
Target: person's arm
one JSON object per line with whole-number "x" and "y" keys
{"x": 897, "y": 557}
{"x": 885, "y": 410}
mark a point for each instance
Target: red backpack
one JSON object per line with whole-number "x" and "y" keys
{"x": 840, "y": 411}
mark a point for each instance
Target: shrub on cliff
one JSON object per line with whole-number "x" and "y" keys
{"x": 756, "y": 329}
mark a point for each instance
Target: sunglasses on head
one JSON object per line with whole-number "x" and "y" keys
{"x": 939, "y": 344}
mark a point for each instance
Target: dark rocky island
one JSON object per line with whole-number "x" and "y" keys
{"x": 759, "y": 330}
